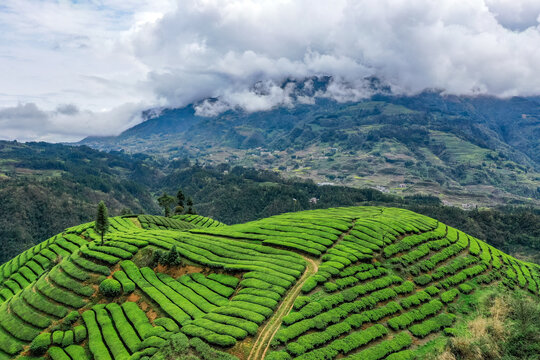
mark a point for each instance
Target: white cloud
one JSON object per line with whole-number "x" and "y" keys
{"x": 26, "y": 122}
{"x": 99, "y": 56}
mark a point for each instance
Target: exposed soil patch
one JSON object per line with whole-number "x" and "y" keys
{"x": 178, "y": 271}
{"x": 133, "y": 297}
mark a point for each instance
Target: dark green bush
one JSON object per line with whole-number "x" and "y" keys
{"x": 40, "y": 344}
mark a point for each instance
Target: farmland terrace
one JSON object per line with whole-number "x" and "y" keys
{"x": 359, "y": 282}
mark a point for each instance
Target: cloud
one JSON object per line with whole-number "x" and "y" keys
{"x": 27, "y": 122}
{"x": 167, "y": 53}
{"x": 220, "y": 48}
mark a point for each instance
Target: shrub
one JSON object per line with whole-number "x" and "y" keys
{"x": 115, "y": 345}
{"x": 309, "y": 285}
{"x": 210, "y": 336}
{"x": 465, "y": 288}
{"x": 67, "y": 339}
{"x": 57, "y": 353}
{"x": 402, "y": 355}
{"x": 405, "y": 319}
{"x": 263, "y": 293}
{"x": 449, "y": 296}
{"x": 213, "y": 285}
{"x": 330, "y": 287}
{"x": 382, "y": 349}
{"x": 241, "y": 312}
{"x": 152, "y": 341}
{"x": 219, "y": 328}
{"x": 207, "y": 352}
{"x": 124, "y": 328}
{"x": 57, "y": 337}
{"x": 128, "y": 286}
{"x": 139, "y": 320}
{"x": 76, "y": 352}
{"x": 432, "y": 290}
{"x": 168, "y": 324}
{"x": 40, "y": 344}
{"x": 431, "y": 325}
{"x": 360, "y": 338}
{"x": 110, "y": 288}
{"x": 423, "y": 279}
{"x": 79, "y": 333}
{"x": 227, "y": 280}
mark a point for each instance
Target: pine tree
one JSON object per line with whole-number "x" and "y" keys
{"x": 102, "y": 220}
{"x": 189, "y": 204}
{"x": 173, "y": 257}
{"x": 180, "y": 197}
{"x": 179, "y": 209}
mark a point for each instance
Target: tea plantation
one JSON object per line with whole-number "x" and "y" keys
{"x": 360, "y": 283}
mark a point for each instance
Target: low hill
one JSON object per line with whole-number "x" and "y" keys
{"x": 479, "y": 150}
{"x": 356, "y": 282}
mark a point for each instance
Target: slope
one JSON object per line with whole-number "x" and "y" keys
{"x": 361, "y": 282}
{"x": 469, "y": 149}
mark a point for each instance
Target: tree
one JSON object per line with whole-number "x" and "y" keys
{"x": 180, "y": 197}
{"x": 173, "y": 257}
{"x": 179, "y": 209}
{"x": 165, "y": 201}
{"x": 189, "y": 204}
{"x": 102, "y": 220}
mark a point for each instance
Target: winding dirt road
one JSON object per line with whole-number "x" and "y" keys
{"x": 263, "y": 340}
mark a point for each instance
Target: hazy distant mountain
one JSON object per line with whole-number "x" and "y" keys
{"x": 477, "y": 150}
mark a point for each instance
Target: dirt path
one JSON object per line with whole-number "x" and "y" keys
{"x": 263, "y": 340}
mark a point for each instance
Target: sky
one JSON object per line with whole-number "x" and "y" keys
{"x": 71, "y": 69}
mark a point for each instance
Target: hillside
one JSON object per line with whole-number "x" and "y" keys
{"x": 356, "y": 282}
{"x": 468, "y": 150}
{"x": 45, "y": 188}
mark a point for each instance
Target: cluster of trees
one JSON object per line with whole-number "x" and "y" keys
{"x": 166, "y": 201}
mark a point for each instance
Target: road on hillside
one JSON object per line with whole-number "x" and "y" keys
{"x": 263, "y": 340}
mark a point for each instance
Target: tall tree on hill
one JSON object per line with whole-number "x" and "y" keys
{"x": 102, "y": 220}
{"x": 166, "y": 201}
{"x": 189, "y": 204}
{"x": 180, "y": 202}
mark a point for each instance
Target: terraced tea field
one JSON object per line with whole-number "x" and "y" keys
{"x": 360, "y": 283}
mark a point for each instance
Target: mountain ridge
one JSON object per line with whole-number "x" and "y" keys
{"x": 458, "y": 147}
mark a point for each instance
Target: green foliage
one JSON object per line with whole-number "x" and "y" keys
{"x": 166, "y": 201}
{"x": 40, "y": 344}
{"x": 426, "y": 327}
{"x": 102, "y": 220}
{"x": 79, "y": 333}
{"x": 449, "y": 296}
{"x": 110, "y": 288}
{"x": 128, "y": 286}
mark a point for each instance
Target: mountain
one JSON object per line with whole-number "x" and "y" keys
{"x": 467, "y": 150}
{"x": 357, "y": 282}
